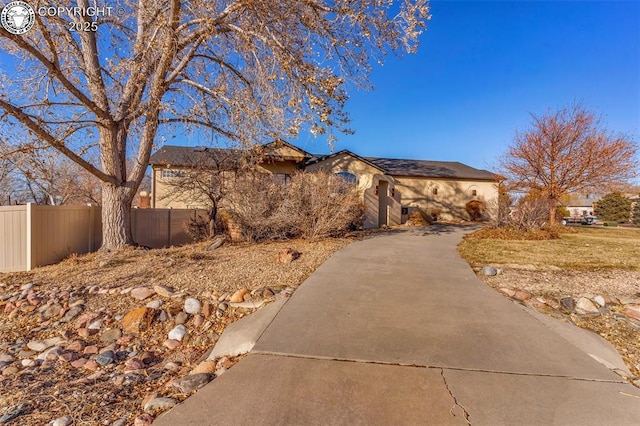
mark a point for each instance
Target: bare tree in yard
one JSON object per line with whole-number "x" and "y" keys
{"x": 247, "y": 70}
{"x": 568, "y": 151}
{"x": 207, "y": 178}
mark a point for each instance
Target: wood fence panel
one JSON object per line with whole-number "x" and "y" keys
{"x": 13, "y": 238}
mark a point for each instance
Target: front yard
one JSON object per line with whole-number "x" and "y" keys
{"x": 555, "y": 276}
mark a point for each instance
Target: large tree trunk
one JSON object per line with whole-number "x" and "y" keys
{"x": 116, "y": 216}
{"x": 553, "y": 204}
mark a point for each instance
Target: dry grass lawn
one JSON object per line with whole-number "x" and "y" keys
{"x": 585, "y": 249}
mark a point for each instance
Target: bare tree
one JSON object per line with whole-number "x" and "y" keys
{"x": 206, "y": 177}
{"x": 247, "y": 70}
{"x": 568, "y": 151}
{"x": 44, "y": 176}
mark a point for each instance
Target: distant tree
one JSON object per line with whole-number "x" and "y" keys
{"x": 636, "y": 212}
{"x": 244, "y": 70}
{"x": 568, "y": 151}
{"x": 614, "y": 207}
{"x": 44, "y": 176}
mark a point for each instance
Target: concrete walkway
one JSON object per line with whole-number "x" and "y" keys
{"x": 397, "y": 330}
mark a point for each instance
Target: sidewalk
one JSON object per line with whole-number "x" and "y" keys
{"x": 398, "y": 330}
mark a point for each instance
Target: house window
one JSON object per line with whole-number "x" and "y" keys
{"x": 435, "y": 191}
{"x": 349, "y": 177}
{"x": 474, "y": 192}
{"x": 172, "y": 173}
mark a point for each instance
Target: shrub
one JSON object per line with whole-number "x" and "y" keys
{"x": 636, "y": 212}
{"x": 311, "y": 206}
{"x": 475, "y": 209}
{"x": 614, "y": 207}
{"x": 418, "y": 217}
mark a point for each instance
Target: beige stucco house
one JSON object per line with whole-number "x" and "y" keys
{"x": 278, "y": 158}
{"x": 393, "y": 187}
{"x": 390, "y": 188}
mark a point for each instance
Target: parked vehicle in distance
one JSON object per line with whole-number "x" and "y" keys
{"x": 580, "y": 220}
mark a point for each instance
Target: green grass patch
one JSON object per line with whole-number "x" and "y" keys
{"x": 586, "y": 248}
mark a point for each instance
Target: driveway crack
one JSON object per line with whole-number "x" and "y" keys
{"x": 465, "y": 413}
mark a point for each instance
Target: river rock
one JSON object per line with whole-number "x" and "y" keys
{"x": 188, "y": 384}
{"x": 238, "y": 296}
{"x": 181, "y": 317}
{"x": 163, "y": 290}
{"x": 489, "y": 271}
{"x": 61, "y": 421}
{"x": 141, "y": 293}
{"x": 41, "y": 345}
{"x": 585, "y": 306}
{"x": 137, "y": 320}
{"x": 71, "y": 314}
{"x": 568, "y": 304}
{"x": 288, "y": 255}
{"x": 205, "y": 367}
{"x": 600, "y": 301}
{"x": 105, "y": 358}
{"x": 178, "y": 332}
{"x": 159, "y": 404}
{"x": 192, "y": 306}
{"x": 632, "y": 311}
{"x": 111, "y": 335}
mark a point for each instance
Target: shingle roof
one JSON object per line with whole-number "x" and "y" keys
{"x": 171, "y": 155}
{"x": 425, "y": 168}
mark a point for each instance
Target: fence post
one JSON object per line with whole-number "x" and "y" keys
{"x": 169, "y": 228}
{"x": 91, "y": 225}
{"x": 29, "y": 237}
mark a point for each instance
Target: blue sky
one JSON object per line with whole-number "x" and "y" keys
{"x": 484, "y": 66}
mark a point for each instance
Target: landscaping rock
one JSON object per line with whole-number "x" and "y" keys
{"x": 105, "y": 358}
{"x": 600, "y": 301}
{"x": 138, "y": 320}
{"x": 61, "y": 421}
{"x": 208, "y": 367}
{"x": 490, "y": 271}
{"x": 288, "y": 255}
{"x": 238, "y": 296}
{"x": 632, "y": 311}
{"x": 141, "y": 293}
{"x": 568, "y": 304}
{"x": 178, "y": 332}
{"x": 188, "y": 384}
{"x": 192, "y": 306}
{"x": 585, "y": 306}
{"x": 111, "y": 335}
{"x": 216, "y": 242}
{"x": 159, "y": 404}
{"x": 163, "y": 290}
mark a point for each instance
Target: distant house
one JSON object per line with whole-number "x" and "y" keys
{"x": 582, "y": 204}
{"x": 390, "y": 188}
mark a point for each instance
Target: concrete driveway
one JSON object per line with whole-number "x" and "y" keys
{"x": 397, "y": 329}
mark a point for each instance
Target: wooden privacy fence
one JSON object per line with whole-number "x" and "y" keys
{"x": 34, "y": 235}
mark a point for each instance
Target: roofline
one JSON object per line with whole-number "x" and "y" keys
{"x": 495, "y": 179}
{"x": 347, "y": 152}
{"x": 287, "y": 144}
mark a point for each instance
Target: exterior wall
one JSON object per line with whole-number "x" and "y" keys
{"x": 162, "y": 197}
{"x": 346, "y": 163}
{"x": 382, "y": 194}
{"x": 379, "y": 191}
{"x": 580, "y": 210}
{"x": 452, "y": 195}
{"x": 282, "y": 167}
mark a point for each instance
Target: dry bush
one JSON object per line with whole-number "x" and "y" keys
{"x": 320, "y": 204}
{"x": 419, "y": 217}
{"x": 475, "y": 209}
{"x": 310, "y": 206}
